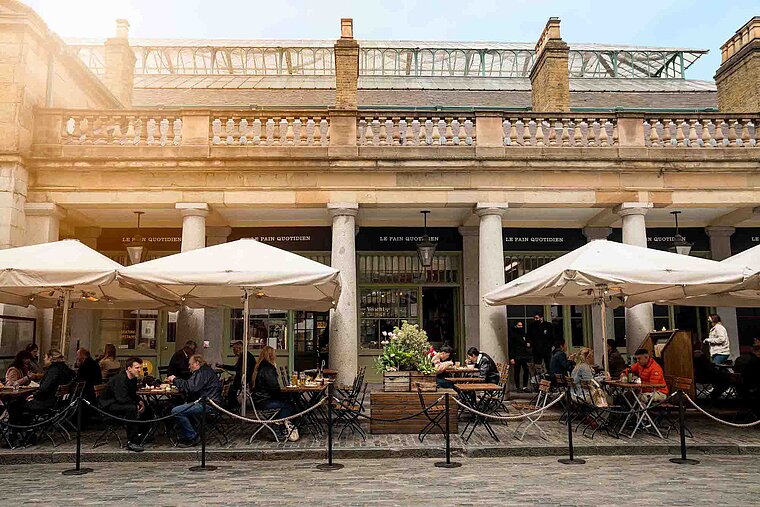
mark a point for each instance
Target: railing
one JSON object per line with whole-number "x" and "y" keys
{"x": 553, "y": 130}
{"x": 415, "y": 129}
{"x": 705, "y": 131}
{"x": 270, "y": 129}
{"x": 122, "y": 128}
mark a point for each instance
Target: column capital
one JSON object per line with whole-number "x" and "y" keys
{"x": 469, "y": 231}
{"x": 193, "y": 209}
{"x": 720, "y": 231}
{"x": 491, "y": 208}
{"x": 44, "y": 209}
{"x": 343, "y": 209}
{"x": 633, "y": 208}
{"x": 593, "y": 233}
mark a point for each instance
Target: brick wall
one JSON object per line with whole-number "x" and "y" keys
{"x": 549, "y": 79}
{"x": 738, "y": 80}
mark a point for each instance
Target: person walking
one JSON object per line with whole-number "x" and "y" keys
{"x": 720, "y": 350}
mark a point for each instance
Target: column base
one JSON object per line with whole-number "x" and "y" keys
{"x": 202, "y": 468}
{"x": 574, "y": 461}
{"x": 684, "y": 461}
{"x": 443, "y": 464}
{"x": 77, "y": 471}
{"x": 329, "y": 467}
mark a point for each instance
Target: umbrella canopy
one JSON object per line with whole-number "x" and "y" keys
{"x": 40, "y": 275}
{"x": 216, "y": 275}
{"x": 628, "y": 273}
{"x": 745, "y": 294}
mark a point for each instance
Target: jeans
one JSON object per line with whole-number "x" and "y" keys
{"x": 720, "y": 358}
{"x": 286, "y": 408}
{"x": 444, "y": 384}
{"x": 183, "y": 413}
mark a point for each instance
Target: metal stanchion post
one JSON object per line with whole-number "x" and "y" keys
{"x": 78, "y": 470}
{"x": 448, "y": 463}
{"x": 572, "y": 460}
{"x": 683, "y": 460}
{"x": 330, "y": 465}
{"x": 203, "y": 467}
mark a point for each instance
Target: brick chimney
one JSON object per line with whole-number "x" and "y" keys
{"x": 738, "y": 77}
{"x": 346, "y": 67}
{"x": 120, "y": 64}
{"x": 549, "y": 77}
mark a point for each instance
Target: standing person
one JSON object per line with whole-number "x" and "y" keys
{"x": 237, "y": 385}
{"x": 179, "y": 364}
{"x": 485, "y": 365}
{"x": 120, "y": 399}
{"x": 19, "y": 372}
{"x": 266, "y": 393}
{"x": 720, "y": 350}
{"x": 107, "y": 361}
{"x": 203, "y": 382}
{"x": 34, "y": 350}
{"x": 541, "y": 336}
{"x": 88, "y": 372}
{"x": 617, "y": 363}
{"x": 520, "y": 354}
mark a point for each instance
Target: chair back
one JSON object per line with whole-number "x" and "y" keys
{"x": 678, "y": 383}
{"x": 544, "y": 386}
{"x": 226, "y": 385}
{"x": 503, "y": 373}
{"x": 284, "y": 375}
{"x": 99, "y": 389}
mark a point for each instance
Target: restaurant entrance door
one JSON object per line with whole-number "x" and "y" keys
{"x": 310, "y": 339}
{"x": 439, "y": 315}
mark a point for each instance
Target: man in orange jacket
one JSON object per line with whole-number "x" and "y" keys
{"x": 650, "y": 373}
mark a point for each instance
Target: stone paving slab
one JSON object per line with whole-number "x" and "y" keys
{"x": 716, "y": 481}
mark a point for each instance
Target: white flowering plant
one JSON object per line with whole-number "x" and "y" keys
{"x": 405, "y": 349}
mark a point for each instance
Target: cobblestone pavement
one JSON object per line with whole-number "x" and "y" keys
{"x": 718, "y": 480}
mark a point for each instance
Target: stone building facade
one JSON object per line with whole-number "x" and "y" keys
{"x": 331, "y": 149}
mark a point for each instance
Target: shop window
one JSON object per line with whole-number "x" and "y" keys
{"x": 577, "y": 331}
{"x": 748, "y": 323}
{"x": 661, "y": 317}
{"x": 406, "y": 268}
{"x": 309, "y": 330}
{"x": 267, "y": 327}
{"x": 16, "y": 333}
{"x": 523, "y": 313}
{"x": 130, "y": 329}
{"x": 382, "y": 310}
{"x": 517, "y": 265}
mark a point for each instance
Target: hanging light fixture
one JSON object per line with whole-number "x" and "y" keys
{"x": 137, "y": 248}
{"x": 426, "y": 248}
{"x": 680, "y": 245}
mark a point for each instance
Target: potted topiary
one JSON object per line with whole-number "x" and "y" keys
{"x": 405, "y": 360}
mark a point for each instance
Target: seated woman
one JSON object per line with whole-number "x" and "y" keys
{"x": 266, "y": 393}
{"x": 442, "y": 361}
{"x": 57, "y": 373}
{"x": 109, "y": 366}
{"x": 19, "y": 373}
{"x": 584, "y": 371}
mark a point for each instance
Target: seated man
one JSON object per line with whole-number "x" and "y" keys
{"x": 237, "y": 384}
{"x": 203, "y": 382}
{"x": 560, "y": 364}
{"x": 120, "y": 399}
{"x": 484, "y": 364}
{"x": 180, "y": 361}
{"x": 617, "y": 363}
{"x": 88, "y": 372}
{"x": 649, "y": 372}
{"x": 442, "y": 361}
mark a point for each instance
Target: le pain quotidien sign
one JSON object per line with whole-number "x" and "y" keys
{"x": 158, "y": 239}
{"x": 542, "y": 239}
{"x": 292, "y": 239}
{"x": 662, "y": 238}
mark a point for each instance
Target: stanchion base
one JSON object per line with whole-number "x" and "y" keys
{"x": 327, "y": 467}
{"x": 443, "y": 464}
{"x": 74, "y": 471}
{"x": 684, "y": 461}
{"x": 574, "y": 461}
{"x": 202, "y": 468}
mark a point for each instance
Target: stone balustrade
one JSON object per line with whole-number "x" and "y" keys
{"x": 270, "y": 129}
{"x": 560, "y": 130}
{"x": 121, "y": 128}
{"x": 415, "y": 129}
{"x": 703, "y": 131}
{"x": 57, "y": 128}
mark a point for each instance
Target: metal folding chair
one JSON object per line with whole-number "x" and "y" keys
{"x": 261, "y": 415}
{"x": 434, "y": 416}
{"x": 526, "y": 408}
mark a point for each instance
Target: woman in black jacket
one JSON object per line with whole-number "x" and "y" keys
{"x": 266, "y": 393}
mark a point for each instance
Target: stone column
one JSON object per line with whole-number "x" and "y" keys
{"x": 720, "y": 248}
{"x": 493, "y": 319}
{"x": 213, "y": 321}
{"x": 639, "y": 320}
{"x": 344, "y": 343}
{"x": 594, "y": 233}
{"x": 190, "y": 321}
{"x": 470, "y": 287}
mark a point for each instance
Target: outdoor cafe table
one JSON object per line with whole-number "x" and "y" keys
{"x": 160, "y": 403}
{"x": 305, "y": 397}
{"x": 631, "y": 394}
{"x": 8, "y": 393}
{"x": 465, "y": 380}
{"x": 462, "y": 371}
{"x": 485, "y": 403}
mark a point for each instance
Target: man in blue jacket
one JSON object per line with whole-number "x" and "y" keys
{"x": 203, "y": 382}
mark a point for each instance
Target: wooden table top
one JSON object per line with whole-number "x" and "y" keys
{"x": 479, "y": 387}
{"x": 158, "y": 392}
{"x": 304, "y": 389}
{"x": 22, "y": 391}
{"x": 634, "y": 385}
{"x": 463, "y": 380}
{"x": 454, "y": 369}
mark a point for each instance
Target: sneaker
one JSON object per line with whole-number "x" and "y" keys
{"x": 134, "y": 447}
{"x": 292, "y": 431}
{"x": 189, "y": 443}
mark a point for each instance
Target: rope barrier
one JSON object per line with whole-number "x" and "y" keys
{"x": 627, "y": 412}
{"x": 405, "y": 418}
{"x": 61, "y": 414}
{"x": 139, "y": 421}
{"x": 267, "y": 421}
{"x": 506, "y": 417}
{"x": 727, "y": 423}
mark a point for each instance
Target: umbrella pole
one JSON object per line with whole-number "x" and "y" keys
{"x": 65, "y": 320}
{"x": 244, "y": 374}
{"x": 603, "y": 306}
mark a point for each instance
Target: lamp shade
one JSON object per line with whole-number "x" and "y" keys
{"x": 426, "y": 251}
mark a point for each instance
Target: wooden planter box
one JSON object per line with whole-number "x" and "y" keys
{"x": 402, "y": 405}
{"x": 405, "y": 381}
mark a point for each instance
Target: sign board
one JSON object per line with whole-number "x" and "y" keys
{"x": 661, "y": 238}
{"x": 159, "y": 239}
{"x": 292, "y": 239}
{"x": 744, "y": 238}
{"x": 405, "y": 239}
{"x": 542, "y": 239}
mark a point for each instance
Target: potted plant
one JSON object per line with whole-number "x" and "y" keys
{"x": 405, "y": 360}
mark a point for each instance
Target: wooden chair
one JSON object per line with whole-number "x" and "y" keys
{"x": 544, "y": 386}
{"x": 666, "y": 418}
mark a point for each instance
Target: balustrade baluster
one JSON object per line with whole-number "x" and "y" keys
{"x": 752, "y": 130}
{"x": 444, "y": 128}
{"x": 116, "y": 135}
{"x": 428, "y": 129}
{"x": 243, "y": 131}
{"x": 565, "y": 133}
{"x": 269, "y": 126}
{"x": 705, "y": 137}
{"x": 679, "y": 133}
{"x": 129, "y": 136}
{"x": 469, "y": 132}
{"x": 525, "y": 136}
{"x": 390, "y": 136}
{"x": 540, "y": 132}
{"x": 286, "y": 132}
{"x": 591, "y": 129}
{"x": 552, "y": 126}
{"x": 310, "y": 127}
{"x": 416, "y": 132}
{"x": 402, "y": 127}
{"x": 577, "y": 132}
{"x": 256, "y": 131}
{"x": 513, "y": 132}
{"x": 745, "y": 132}
{"x": 151, "y": 132}
{"x": 177, "y": 131}
{"x": 138, "y": 131}
{"x": 667, "y": 133}
{"x": 719, "y": 137}
{"x": 603, "y": 136}
{"x": 216, "y": 131}
{"x": 654, "y": 136}
{"x": 732, "y": 133}
{"x": 229, "y": 129}
{"x": 361, "y": 131}
{"x": 324, "y": 132}
{"x": 375, "y": 132}
{"x": 297, "y": 139}
{"x": 692, "y": 137}
{"x": 163, "y": 129}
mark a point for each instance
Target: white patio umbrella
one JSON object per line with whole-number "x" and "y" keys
{"x": 63, "y": 274}
{"x": 261, "y": 275}
{"x": 610, "y": 273}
